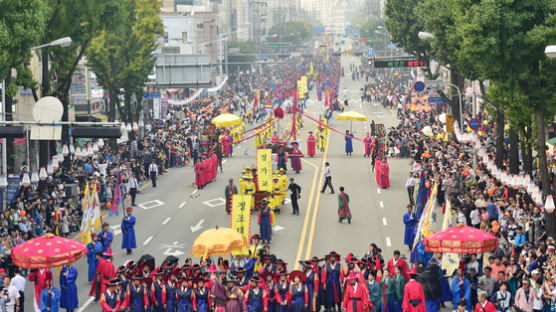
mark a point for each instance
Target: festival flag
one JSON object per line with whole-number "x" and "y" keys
{"x": 425, "y": 228}
{"x": 91, "y": 213}
{"x": 241, "y": 217}
{"x": 450, "y": 261}
{"x": 326, "y": 98}
{"x": 421, "y": 196}
{"x": 117, "y": 199}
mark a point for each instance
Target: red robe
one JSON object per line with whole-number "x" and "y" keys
{"x": 401, "y": 263}
{"x": 215, "y": 166}
{"x": 107, "y": 273}
{"x": 40, "y": 282}
{"x": 489, "y": 307}
{"x": 226, "y": 145}
{"x": 356, "y": 300}
{"x": 378, "y": 171}
{"x": 413, "y": 291}
{"x": 295, "y": 156}
{"x": 385, "y": 175}
{"x": 368, "y": 145}
{"x": 311, "y": 143}
{"x": 274, "y": 139}
{"x": 204, "y": 172}
{"x": 198, "y": 172}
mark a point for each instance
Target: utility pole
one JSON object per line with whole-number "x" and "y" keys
{"x": 256, "y": 6}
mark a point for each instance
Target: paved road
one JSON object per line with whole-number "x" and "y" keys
{"x": 170, "y": 216}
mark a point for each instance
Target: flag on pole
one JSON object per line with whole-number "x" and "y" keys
{"x": 450, "y": 261}
{"x": 116, "y": 199}
{"x": 425, "y": 229}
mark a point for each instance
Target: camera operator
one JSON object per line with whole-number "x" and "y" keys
{"x": 19, "y": 282}
{"x": 12, "y": 301}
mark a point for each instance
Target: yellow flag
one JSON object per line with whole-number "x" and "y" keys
{"x": 241, "y": 216}
{"x": 450, "y": 261}
{"x": 428, "y": 229}
{"x": 264, "y": 169}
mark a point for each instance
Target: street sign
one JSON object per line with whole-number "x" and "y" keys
{"x": 435, "y": 99}
{"x": 474, "y": 123}
{"x": 398, "y": 63}
{"x": 277, "y": 45}
{"x": 419, "y": 86}
{"x": 391, "y": 46}
{"x": 449, "y": 123}
{"x": 152, "y": 96}
{"x": 364, "y": 40}
{"x": 371, "y": 52}
{"x": 435, "y": 84}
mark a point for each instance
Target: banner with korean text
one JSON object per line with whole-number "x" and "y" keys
{"x": 264, "y": 169}
{"x": 241, "y": 215}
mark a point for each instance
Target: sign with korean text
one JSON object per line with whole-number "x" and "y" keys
{"x": 264, "y": 169}
{"x": 449, "y": 123}
{"x": 241, "y": 214}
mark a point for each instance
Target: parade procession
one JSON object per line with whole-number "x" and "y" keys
{"x": 272, "y": 156}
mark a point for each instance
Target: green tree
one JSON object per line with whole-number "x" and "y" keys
{"x": 296, "y": 31}
{"x": 21, "y": 27}
{"x": 122, "y": 54}
{"x": 247, "y": 50}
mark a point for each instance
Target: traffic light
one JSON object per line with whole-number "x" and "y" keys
{"x": 12, "y": 132}
{"x": 96, "y": 132}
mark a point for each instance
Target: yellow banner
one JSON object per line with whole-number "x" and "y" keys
{"x": 450, "y": 261}
{"x": 241, "y": 214}
{"x": 264, "y": 169}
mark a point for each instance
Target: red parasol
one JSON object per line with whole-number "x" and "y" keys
{"x": 461, "y": 239}
{"x": 47, "y": 251}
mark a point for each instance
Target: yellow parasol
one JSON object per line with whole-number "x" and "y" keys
{"x": 351, "y": 116}
{"x": 218, "y": 242}
{"x": 226, "y": 120}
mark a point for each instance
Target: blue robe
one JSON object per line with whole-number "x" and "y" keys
{"x": 171, "y": 297}
{"x": 54, "y": 300}
{"x": 92, "y": 260}
{"x": 349, "y": 145}
{"x": 409, "y": 229}
{"x": 265, "y": 226}
{"x": 69, "y": 299}
{"x": 185, "y": 304}
{"x": 136, "y": 298}
{"x": 106, "y": 239}
{"x": 298, "y": 299}
{"x": 282, "y": 291}
{"x": 128, "y": 233}
{"x": 202, "y": 300}
{"x": 254, "y": 301}
{"x": 333, "y": 286}
{"x": 457, "y": 292}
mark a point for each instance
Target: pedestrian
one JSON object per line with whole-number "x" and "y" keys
{"x": 153, "y": 172}
{"x": 265, "y": 222}
{"x": 110, "y": 299}
{"x": 69, "y": 299}
{"x": 138, "y": 299}
{"x": 105, "y": 237}
{"x": 331, "y": 284}
{"x": 295, "y": 195}
{"x": 484, "y": 305}
{"x": 94, "y": 247}
{"x": 295, "y": 156}
{"x": 229, "y": 193}
{"x": 104, "y": 274}
{"x": 414, "y": 296}
{"x": 39, "y": 277}
{"x": 133, "y": 186}
{"x": 50, "y": 297}
{"x": 368, "y": 145}
{"x": 311, "y": 144}
{"x": 19, "y": 282}
{"x": 410, "y": 222}
{"x": 327, "y": 178}
{"x": 128, "y": 231}
{"x": 461, "y": 289}
{"x": 349, "y": 144}
{"x": 343, "y": 206}
{"x": 410, "y": 186}
{"x": 525, "y": 296}
{"x": 356, "y": 295}
{"x": 298, "y": 292}
{"x": 385, "y": 174}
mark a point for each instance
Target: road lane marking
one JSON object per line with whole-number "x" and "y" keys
{"x": 388, "y": 242}
{"x": 86, "y": 304}
{"x": 195, "y": 191}
{"x": 307, "y": 215}
{"x": 167, "y": 220}
{"x": 381, "y": 204}
{"x": 317, "y": 201}
{"x": 219, "y": 201}
{"x": 384, "y": 221}
{"x": 198, "y": 226}
{"x": 147, "y": 241}
{"x": 181, "y": 205}
{"x": 224, "y": 161}
{"x": 151, "y": 204}
{"x": 378, "y": 190}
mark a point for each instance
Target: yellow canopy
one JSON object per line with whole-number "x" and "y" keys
{"x": 226, "y": 120}
{"x": 351, "y": 115}
{"x": 218, "y": 242}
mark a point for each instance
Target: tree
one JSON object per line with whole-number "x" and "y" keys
{"x": 296, "y": 31}
{"x": 368, "y": 30}
{"x": 122, "y": 54}
{"x": 21, "y": 27}
{"x": 245, "y": 47}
